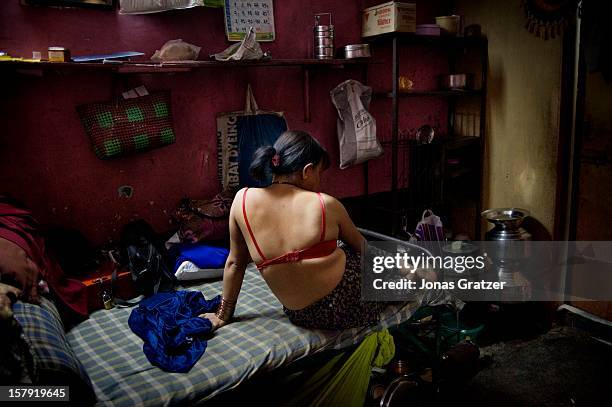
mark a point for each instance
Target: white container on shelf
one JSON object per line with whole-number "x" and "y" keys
{"x": 450, "y": 24}
{"x": 389, "y": 17}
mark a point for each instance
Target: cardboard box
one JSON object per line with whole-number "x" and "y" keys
{"x": 389, "y": 17}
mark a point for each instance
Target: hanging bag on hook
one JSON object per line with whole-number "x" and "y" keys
{"x": 356, "y": 126}
{"x": 128, "y": 126}
{"x": 239, "y": 134}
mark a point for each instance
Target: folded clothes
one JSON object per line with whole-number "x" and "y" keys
{"x": 172, "y": 332}
{"x": 189, "y": 271}
{"x": 203, "y": 256}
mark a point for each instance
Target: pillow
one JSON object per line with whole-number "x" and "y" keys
{"x": 188, "y": 271}
{"x": 55, "y": 361}
{"x": 202, "y": 255}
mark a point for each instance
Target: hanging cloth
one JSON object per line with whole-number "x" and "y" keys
{"x": 346, "y": 384}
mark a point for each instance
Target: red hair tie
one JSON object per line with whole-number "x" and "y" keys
{"x": 275, "y": 160}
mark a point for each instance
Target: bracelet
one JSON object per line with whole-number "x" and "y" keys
{"x": 226, "y": 310}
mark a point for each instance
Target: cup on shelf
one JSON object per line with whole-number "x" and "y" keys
{"x": 449, "y": 24}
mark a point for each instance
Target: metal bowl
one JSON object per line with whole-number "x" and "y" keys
{"x": 357, "y": 51}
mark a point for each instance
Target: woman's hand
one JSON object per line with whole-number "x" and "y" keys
{"x": 6, "y": 302}
{"x": 216, "y": 322}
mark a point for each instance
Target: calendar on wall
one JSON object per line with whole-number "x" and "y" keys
{"x": 240, "y": 15}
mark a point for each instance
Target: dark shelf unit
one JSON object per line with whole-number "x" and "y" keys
{"x": 438, "y": 175}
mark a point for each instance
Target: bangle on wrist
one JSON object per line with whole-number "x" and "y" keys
{"x": 225, "y": 310}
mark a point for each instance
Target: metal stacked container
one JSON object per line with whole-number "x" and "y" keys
{"x": 323, "y": 38}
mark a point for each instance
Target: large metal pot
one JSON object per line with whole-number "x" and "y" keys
{"x": 507, "y": 223}
{"x": 509, "y": 252}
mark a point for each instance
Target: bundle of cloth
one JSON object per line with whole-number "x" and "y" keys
{"x": 25, "y": 263}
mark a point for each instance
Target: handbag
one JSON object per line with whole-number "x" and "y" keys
{"x": 128, "y": 126}
{"x": 146, "y": 258}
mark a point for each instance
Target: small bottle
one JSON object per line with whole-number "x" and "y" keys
{"x": 107, "y": 300}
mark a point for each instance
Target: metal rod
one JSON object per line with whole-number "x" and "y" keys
{"x": 366, "y": 177}
{"x": 394, "y": 135}
{"x": 306, "y": 92}
{"x": 481, "y": 153}
{"x": 375, "y": 235}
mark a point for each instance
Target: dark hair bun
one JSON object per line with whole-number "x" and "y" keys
{"x": 295, "y": 149}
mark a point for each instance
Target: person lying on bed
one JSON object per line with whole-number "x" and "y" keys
{"x": 290, "y": 230}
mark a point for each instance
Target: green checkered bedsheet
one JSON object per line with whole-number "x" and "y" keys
{"x": 262, "y": 339}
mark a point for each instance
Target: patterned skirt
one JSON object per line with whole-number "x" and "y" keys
{"x": 342, "y": 308}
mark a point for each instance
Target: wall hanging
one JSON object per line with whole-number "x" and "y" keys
{"x": 548, "y": 18}
{"x": 241, "y": 15}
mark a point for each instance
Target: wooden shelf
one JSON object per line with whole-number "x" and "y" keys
{"x": 443, "y": 40}
{"x": 450, "y": 143}
{"x": 170, "y": 67}
{"x": 434, "y": 93}
{"x": 148, "y": 67}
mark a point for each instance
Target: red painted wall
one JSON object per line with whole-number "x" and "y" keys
{"x": 46, "y": 159}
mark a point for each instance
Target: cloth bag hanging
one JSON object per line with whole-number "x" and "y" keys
{"x": 239, "y": 134}
{"x": 356, "y": 126}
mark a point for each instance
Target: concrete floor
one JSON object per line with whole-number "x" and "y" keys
{"x": 563, "y": 367}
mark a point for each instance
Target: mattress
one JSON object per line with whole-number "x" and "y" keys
{"x": 260, "y": 340}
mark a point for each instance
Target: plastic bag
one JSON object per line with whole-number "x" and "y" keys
{"x": 356, "y": 126}
{"x": 156, "y": 6}
{"x": 177, "y": 50}
{"x": 429, "y": 228}
{"x": 248, "y": 48}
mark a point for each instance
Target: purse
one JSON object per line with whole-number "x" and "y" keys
{"x": 129, "y": 126}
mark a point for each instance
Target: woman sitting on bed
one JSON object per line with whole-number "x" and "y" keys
{"x": 290, "y": 230}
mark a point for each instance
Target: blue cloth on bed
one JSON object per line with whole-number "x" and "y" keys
{"x": 202, "y": 255}
{"x": 173, "y": 334}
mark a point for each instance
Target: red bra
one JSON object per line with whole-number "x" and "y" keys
{"x": 321, "y": 249}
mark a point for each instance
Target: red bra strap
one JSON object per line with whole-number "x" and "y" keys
{"x": 322, "y": 216}
{"x": 246, "y": 221}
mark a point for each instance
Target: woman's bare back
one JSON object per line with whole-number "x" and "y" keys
{"x": 284, "y": 218}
